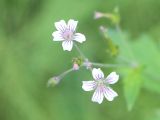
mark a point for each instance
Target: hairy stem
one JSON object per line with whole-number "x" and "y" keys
{"x": 105, "y": 65}
{"x": 65, "y": 73}
{"x": 80, "y": 52}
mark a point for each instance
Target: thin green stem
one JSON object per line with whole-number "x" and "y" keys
{"x": 122, "y": 58}
{"x": 56, "y": 79}
{"x": 106, "y": 65}
{"x": 65, "y": 73}
{"x": 89, "y": 64}
{"x": 80, "y": 52}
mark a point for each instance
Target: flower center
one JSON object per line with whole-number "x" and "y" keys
{"x": 67, "y": 34}
{"x": 100, "y": 82}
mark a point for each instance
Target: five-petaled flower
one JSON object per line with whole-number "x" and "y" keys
{"x": 67, "y": 33}
{"x": 101, "y": 85}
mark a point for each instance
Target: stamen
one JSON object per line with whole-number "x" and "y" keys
{"x": 67, "y": 34}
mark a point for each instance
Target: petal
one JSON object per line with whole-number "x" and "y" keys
{"x": 61, "y": 25}
{"x": 112, "y": 78}
{"x": 57, "y": 36}
{"x": 98, "y": 95}
{"x": 109, "y": 93}
{"x": 72, "y": 24}
{"x": 88, "y": 85}
{"x": 79, "y": 37}
{"x": 67, "y": 45}
{"x": 97, "y": 74}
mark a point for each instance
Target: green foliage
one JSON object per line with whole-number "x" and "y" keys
{"x": 150, "y": 58}
{"x": 28, "y": 58}
{"x": 112, "y": 49}
{"x": 132, "y": 84}
{"x": 143, "y": 64}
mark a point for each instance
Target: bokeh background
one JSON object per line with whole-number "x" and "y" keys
{"x": 29, "y": 57}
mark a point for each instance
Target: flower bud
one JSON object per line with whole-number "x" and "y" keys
{"x": 103, "y": 29}
{"x": 87, "y": 64}
{"x": 75, "y": 66}
{"x": 53, "y": 81}
{"x": 98, "y": 15}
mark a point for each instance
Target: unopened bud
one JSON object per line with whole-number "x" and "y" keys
{"x": 88, "y": 64}
{"x": 75, "y": 66}
{"x": 53, "y": 81}
{"x": 98, "y": 15}
{"x": 103, "y": 29}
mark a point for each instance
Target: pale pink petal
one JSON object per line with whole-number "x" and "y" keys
{"x": 72, "y": 24}
{"x": 67, "y": 45}
{"x": 57, "y": 36}
{"x": 98, "y": 95}
{"x": 61, "y": 25}
{"x": 88, "y": 85}
{"x": 97, "y": 74}
{"x": 79, "y": 37}
{"x": 109, "y": 93}
{"x": 112, "y": 78}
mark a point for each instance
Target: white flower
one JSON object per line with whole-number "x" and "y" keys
{"x": 67, "y": 33}
{"x": 101, "y": 85}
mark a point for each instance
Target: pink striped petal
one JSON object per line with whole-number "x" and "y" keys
{"x": 72, "y": 24}
{"x": 112, "y": 78}
{"x": 97, "y": 74}
{"x": 109, "y": 93}
{"x": 88, "y": 85}
{"x": 98, "y": 95}
{"x": 61, "y": 25}
{"x": 57, "y": 36}
{"x": 67, "y": 45}
{"x": 79, "y": 37}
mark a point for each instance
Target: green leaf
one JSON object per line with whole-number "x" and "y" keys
{"x": 149, "y": 57}
{"x": 132, "y": 85}
{"x": 152, "y": 85}
{"x": 137, "y": 53}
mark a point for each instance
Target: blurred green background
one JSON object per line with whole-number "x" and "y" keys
{"x": 29, "y": 57}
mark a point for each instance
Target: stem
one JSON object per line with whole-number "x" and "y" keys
{"x": 105, "y": 65}
{"x": 124, "y": 59}
{"x": 89, "y": 64}
{"x": 56, "y": 79}
{"x": 80, "y": 52}
{"x": 65, "y": 73}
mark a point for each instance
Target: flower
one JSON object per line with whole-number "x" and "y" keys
{"x": 101, "y": 85}
{"x": 67, "y": 33}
